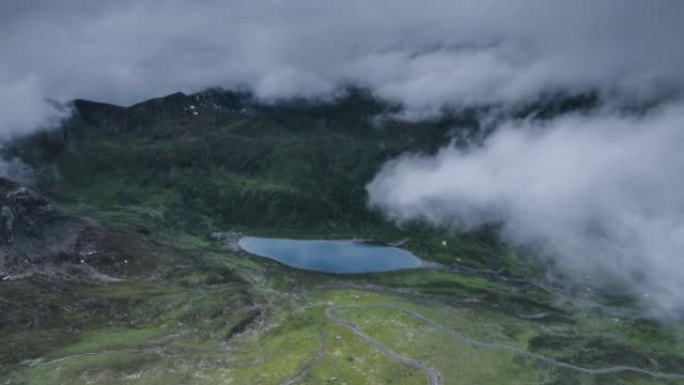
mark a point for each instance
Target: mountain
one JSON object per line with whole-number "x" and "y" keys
{"x": 222, "y": 158}
{"x": 121, "y": 262}
{"x": 219, "y": 157}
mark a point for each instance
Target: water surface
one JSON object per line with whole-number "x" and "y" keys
{"x": 343, "y": 257}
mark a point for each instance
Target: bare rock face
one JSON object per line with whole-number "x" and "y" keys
{"x": 32, "y": 230}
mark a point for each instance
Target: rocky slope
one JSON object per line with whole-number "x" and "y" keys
{"x": 34, "y": 231}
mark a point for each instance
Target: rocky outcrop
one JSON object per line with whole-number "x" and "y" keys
{"x": 33, "y": 230}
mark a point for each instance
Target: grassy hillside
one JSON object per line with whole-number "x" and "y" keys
{"x": 161, "y": 302}
{"x": 218, "y": 158}
{"x": 221, "y": 158}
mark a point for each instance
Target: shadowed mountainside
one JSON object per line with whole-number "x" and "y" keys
{"x": 220, "y": 158}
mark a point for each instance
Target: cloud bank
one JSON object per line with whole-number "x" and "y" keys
{"x": 600, "y": 195}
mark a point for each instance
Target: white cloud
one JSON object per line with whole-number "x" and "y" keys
{"x": 600, "y": 195}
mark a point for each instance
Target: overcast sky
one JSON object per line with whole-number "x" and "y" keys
{"x": 422, "y": 53}
{"x": 600, "y": 192}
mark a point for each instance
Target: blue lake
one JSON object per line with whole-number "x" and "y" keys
{"x": 342, "y": 257}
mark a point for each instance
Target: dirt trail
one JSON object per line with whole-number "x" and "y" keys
{"x": 307, "y": 366}
{"x": 435, "y": 377}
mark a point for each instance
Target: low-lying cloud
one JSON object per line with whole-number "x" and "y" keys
{"x": 600, "y": 195}
{"x": 24, "y": 108}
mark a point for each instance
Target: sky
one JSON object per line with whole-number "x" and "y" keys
{"x": 422, "y": 53}
{"x": 598, "y": 194}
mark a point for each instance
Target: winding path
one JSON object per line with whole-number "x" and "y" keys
{"x": 308, "y": 365}
{"x": 435, "y": 376}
